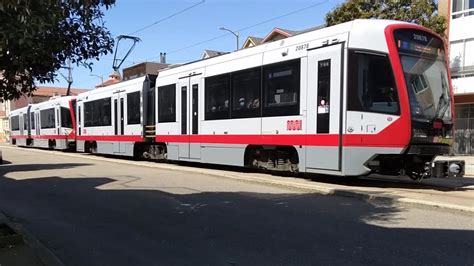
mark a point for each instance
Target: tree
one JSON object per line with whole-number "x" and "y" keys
{"x": 38, "y": 37}
{"x": 422, "y": 12}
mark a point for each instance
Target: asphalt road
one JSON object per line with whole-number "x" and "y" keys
{"x": 90, "y": 212}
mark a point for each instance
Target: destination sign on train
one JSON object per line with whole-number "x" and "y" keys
{"x": 417, "y": 47}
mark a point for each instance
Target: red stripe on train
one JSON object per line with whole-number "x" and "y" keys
{"x": 131, "y": 138}
{"x": 50, "y": 137}
{"x": 19, "y": 137}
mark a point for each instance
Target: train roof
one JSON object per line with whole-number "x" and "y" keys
{"x": 364, "y": 33}
{"x": 53, "y": 101}
{"x": 19, "y": 110}
{"x": 111, "y": 88}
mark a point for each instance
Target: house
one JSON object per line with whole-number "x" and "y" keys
{"x": 460, "y": 17}
{"x": 251, "y": 42}
{"x": 275, "y": 35}
{"x": 211, "y": 53}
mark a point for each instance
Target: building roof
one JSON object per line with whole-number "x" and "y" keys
{"x": 52, "y": 91}
{"x": 252, "y": 41}
{"x": 211, "y": 53}
{"x": 278, "y": 33}
{"x": 114, "y": 78}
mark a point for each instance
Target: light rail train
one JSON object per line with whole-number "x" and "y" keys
{"x": 367, "y": 96}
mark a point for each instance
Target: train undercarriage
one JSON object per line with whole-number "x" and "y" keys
{"x": 418, "y": 162}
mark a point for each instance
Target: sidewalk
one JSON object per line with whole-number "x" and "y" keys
{"x": 30, "y": 252}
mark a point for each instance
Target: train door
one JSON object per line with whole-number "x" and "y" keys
{"x": 324, "y": 128}
{"x": 37, "y": 121}
{"x": 118, "y": 99}
{"x": 58, "y": 119}
{"x": 28, "y": 119}
{"x": 21, "y": 123}
{"x": 190, "y": 115}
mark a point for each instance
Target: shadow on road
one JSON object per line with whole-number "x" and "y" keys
{"x": 9, "y": 168}
{"x": 83, "y": 225}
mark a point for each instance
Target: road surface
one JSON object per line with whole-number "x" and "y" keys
{"x": 93, "y": 212}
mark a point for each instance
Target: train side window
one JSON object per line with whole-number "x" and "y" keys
{"x": 66, "y": 120}
{"x": 281, "y": 83}
{"x": 167, "y": 103}
{"x": 98, "y": 113}
{"x": 15, "y": 122}
{"x": 133, "y": 108}
{"x": 217, "y": 96}
{"x": 324, "y": 92}
{"x": 246, "y": 90}
{"x": 48, "y": 118}
{"x": 371, "y": 85}
{"x": 32, "y": 120}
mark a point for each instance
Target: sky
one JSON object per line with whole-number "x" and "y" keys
{"x": 193, "y": 26}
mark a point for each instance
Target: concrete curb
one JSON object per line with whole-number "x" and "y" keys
{"x": 260, "y": 179}
{"x": 45, "y": 256}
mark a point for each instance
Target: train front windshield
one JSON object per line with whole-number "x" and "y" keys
{"x": 424, "y": 65}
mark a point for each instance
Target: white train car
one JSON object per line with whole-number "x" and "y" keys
{"x": 351, "y": 99}
{"x": 53, "y": 123}
{"x": 367, "y": 96}
{"x": 20, "y": 126}
{"x": 115, "y": 119}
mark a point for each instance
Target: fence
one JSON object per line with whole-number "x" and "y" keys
{"x": 464, "y": 136}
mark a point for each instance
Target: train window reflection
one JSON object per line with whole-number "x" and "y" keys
{"x": 371, "y": 86}
{"x": 246, "y": 93}
{"x": 47, "y": 118}
{"x": 167, "y": 103}
{"x": 98, "y": 113}
{"x": 15, "y": 122}
{"x": 133, "y": 108}
{"x": 282, "y": 88}
{"x": 217, "y": 96}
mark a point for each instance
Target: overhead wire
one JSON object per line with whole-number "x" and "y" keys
{"x": 168, "y": 17}
{"x": 243, "y": 29}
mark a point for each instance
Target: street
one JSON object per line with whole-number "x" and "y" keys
{"x": 110, "y": 212}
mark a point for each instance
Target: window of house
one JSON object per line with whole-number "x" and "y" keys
{"x": 371, "y": 86}
{"x": 462, "y": 5}
{"x": 246, "y": 90}
{"x": 98, "y": 113}
{"x": 217, "y": 97}
{"x": 167, "y": 103}
{"x": 281, "y": 88}
{"x": 456, "y": 54}
{"x": 469, "y": 54}
{"x": 48, "y": 119}
{"x": 66, "y": 120}
{"x": 133, "y": 108}
{"x": 461, "y": 56}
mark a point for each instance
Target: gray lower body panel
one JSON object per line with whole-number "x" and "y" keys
{"x": 61, "y": 144}
{"x": 110, "y": 147}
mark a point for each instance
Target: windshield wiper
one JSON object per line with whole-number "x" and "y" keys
{"x": 443, "y": 102}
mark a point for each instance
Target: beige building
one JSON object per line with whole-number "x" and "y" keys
{"x": 460, "y": 17}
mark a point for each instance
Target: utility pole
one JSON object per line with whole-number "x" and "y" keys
{"x": 68, "y": 78}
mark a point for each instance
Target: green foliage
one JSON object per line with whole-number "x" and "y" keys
{"x": 422, "y": 12}
{"x": 38, "y": 36}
